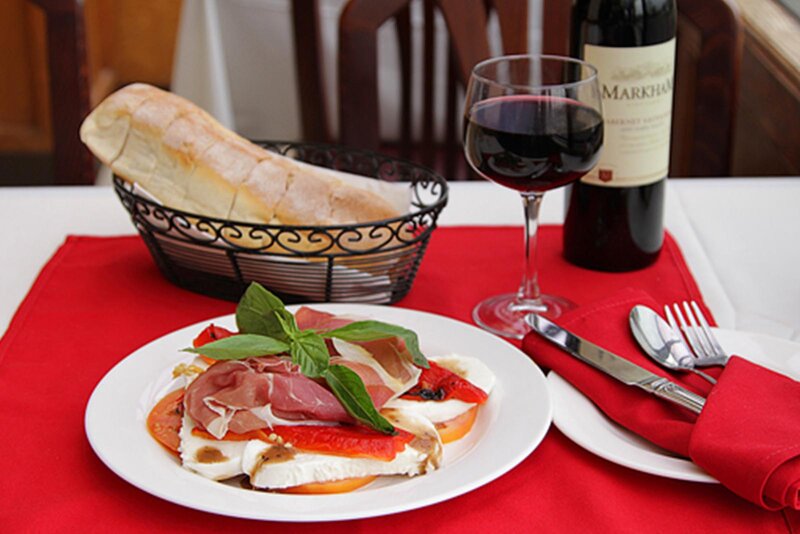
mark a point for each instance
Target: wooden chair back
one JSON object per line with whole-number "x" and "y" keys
{"x": 709, "y": 51}
{"x": 69, "y": 90}
{"x": 468, "y": 43}
{"x": 357, "y": 69}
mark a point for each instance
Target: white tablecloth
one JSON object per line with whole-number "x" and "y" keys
{"x": 739, "y": 237}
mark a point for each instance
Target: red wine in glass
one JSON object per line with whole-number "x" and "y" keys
{"x": 532, "y": 123}
{"x": 532, "y": 142}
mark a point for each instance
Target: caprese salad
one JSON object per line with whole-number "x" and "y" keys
{"x": 312, "y": 402}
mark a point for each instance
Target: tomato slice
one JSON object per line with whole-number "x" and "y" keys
{"x": 261, "y": 433}
{"x": 457, "y": 427}
{"x": 350, "y": 441}
{"x": 336, "y": 486}
{"x": 165, "y": 419}
{"x": 438, "y": 383}
{"x": 209, "y": 334}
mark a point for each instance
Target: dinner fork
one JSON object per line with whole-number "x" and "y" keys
{"x": 697, "y": 332}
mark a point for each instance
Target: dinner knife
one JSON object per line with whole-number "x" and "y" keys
{"x": 623, "y": 370}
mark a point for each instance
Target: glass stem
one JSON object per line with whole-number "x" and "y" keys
{"x": 528, "y": 296}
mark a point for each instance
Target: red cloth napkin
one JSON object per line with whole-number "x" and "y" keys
{"x": 748, "y": 434}
{"x": 99, "y": 299}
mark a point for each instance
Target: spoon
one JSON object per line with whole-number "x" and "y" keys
{"x": 658, "y": 339}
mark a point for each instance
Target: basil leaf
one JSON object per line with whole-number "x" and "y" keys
{"x": 241, "y": 346}
{"x": 372, "y": 330}
{"x": 287, "y": 322}
{"x": 255, "y": 313}
{"x": 309, "y": 351}
{"x": 351, "y": 392}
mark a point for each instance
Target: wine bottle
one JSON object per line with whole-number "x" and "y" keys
{"x": 614, "y": 214}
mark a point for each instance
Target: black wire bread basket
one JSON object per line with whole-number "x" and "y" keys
{"x": 373, "y": 262}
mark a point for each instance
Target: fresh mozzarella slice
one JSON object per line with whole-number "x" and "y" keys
{"x": 426, "y": 439}
{"x": 434, "y": 411}
{"x": 469, "y": 368}
{"x": 466, "y": 367}
{"x": 217, "y": 460}
{"x": 276, "y": 466}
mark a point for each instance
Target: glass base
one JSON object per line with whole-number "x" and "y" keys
{"x": 504, "y": 315}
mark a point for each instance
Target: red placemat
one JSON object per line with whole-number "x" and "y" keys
{"x": 98, "y": 299}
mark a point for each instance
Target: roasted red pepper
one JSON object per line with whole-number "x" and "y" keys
{"x": 211, "y": 333}
{"x": 438, "y": 383}
{"x": 349, "y": 441}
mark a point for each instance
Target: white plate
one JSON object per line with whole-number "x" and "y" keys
{"x": 509, "y": 426}
{"x": 579, "y": 419}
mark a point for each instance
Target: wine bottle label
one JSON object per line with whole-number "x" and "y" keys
{"x": 636, "y": 87}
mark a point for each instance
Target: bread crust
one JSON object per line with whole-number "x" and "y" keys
{"x": 188, "y": 161}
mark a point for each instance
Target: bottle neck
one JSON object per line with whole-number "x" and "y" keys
{"x": 623, "y": 23}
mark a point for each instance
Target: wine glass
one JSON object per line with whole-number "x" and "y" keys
{"x": 531, "y": 123}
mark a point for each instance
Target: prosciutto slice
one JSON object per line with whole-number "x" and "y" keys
{"x": 310, "y": 319}
{"x": 385, "y": 365}
{"x": 245, "y": 395}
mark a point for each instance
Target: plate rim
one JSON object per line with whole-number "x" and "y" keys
{"x": 681, "y": 469}
{"x": 278, "y": 512}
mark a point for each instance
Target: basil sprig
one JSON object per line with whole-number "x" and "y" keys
{"x": 259, "y": 312}
{"x": 351, "y": 392}
{"x": 268, "y": 328}
{"x": 241, "y": 346}
{"x": 309, "y": 351}
{"x": 372, "y": 330}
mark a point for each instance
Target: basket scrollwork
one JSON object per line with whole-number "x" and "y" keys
{"x": 372, "y": 262}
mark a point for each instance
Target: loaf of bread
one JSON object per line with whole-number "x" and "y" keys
{"x": 188, "y": 161}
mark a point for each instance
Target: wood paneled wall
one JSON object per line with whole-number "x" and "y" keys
{"x": 127, "y": 40}
{"x": 24, "y": 96}
{"x": 134, "y": 40}
{"x": 767, "y": 138}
